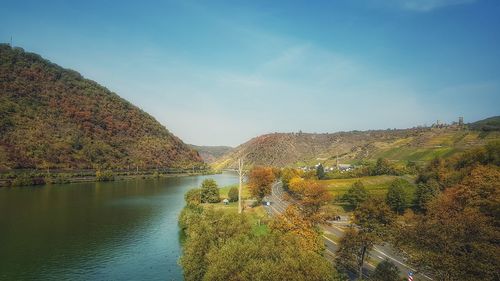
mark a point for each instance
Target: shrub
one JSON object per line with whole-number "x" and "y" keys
{"x": 233, "y": 194}
{"x": 104, "y": 175}
{"x": 193, "y": 196}
{"x": 22, "y": 180}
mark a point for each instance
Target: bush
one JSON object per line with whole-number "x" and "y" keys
{"x": 233, "y": 194}
{"x": 104, "y": 175}
{"x": 193, "y": 197}
{"x": 22, "y": 180}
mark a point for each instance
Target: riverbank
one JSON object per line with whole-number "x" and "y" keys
{"x": 18, "y": 178}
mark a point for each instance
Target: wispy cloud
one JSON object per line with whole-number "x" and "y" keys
{"x": 423, "y": 5}
{"x": 256, "y": 80}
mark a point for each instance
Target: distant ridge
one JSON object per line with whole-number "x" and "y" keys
{"x": 210, "y": 153}
{"x": 488, "y": 124}
{"x": 298, "y": 149}
{"x": 51, "y": 117}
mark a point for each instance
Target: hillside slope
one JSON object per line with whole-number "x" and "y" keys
{"x": 210, "y": 154}
{"x": 297, "y": 149}
{"x": 488, "y": 124}
{"x": 51, "y": 117}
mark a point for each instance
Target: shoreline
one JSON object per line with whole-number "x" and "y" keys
{"x": 39, "y": 178}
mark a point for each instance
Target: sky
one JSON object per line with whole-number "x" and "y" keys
{"x": 221, "y": 72}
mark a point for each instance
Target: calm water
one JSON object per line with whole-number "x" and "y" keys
{"x": 95, "y": 231}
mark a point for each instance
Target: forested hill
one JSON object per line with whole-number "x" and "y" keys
{"x": 51, "y": 117}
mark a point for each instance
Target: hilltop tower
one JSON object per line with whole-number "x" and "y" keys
{"x": 460, "y": 121}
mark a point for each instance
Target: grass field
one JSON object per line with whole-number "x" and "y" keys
{"x": 223, "y": 191}
{"x": 375, "y": 185}
{"x": 257, "y": 215}
{"x": 417, "y": 154}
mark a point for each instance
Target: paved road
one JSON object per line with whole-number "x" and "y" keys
{"x": 379, "y": 253}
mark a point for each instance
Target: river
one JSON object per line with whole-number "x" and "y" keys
{"x": 124, "y": 230}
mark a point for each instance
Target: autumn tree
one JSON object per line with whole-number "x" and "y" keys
{"x": 220, "y": 245}
{"x": 209, "y": 191}
{"x": 349, "y": 254}
{"x": 275, "y": 256}
{"x": 373, "y": 218}
{"x": 312, "y": 199}
{"x": 456, "y": 243}
{"x": 296, "y": 186}
{"x": 457, "y": 237}
{"x": 312, "y": 196}
{"x": 356, "y": 194}
{"x": 193, "y": 196}
{"x": 287, "y": 174}
{"x": 260, "y": 181}
{"x": 293, "y": 221}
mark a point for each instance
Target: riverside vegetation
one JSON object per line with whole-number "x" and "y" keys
{"x": 447, "y": 222}
{"x": 220, "y": 244}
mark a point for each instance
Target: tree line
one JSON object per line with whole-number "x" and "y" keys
{"x": 221, "y": 245}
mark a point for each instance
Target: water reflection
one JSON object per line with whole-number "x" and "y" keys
{"x": 104, "y": 231}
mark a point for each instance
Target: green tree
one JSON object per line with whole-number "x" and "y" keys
{"x": 320, "y": 172}
{"x": 209, "y": 191}
{"x": 233, "y": 194}
{"x": 356, "y": 194}
{"x": 386, "y": 271}
{"x": 384, "y": 167}
{"x": 396, "y": 196}
{"x": 425, "y": 193}
{"x": 207, "y": 230}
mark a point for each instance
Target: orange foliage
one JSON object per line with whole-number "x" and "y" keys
{"x": 260, "y": 180}
{"x": 292, "y": 221}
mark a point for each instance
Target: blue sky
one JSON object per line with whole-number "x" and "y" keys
{"x": 221, "y": 72}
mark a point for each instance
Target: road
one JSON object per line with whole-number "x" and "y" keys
{"x": 278, "y": 205}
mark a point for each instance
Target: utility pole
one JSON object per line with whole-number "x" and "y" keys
{"x": 240, "y": 172}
